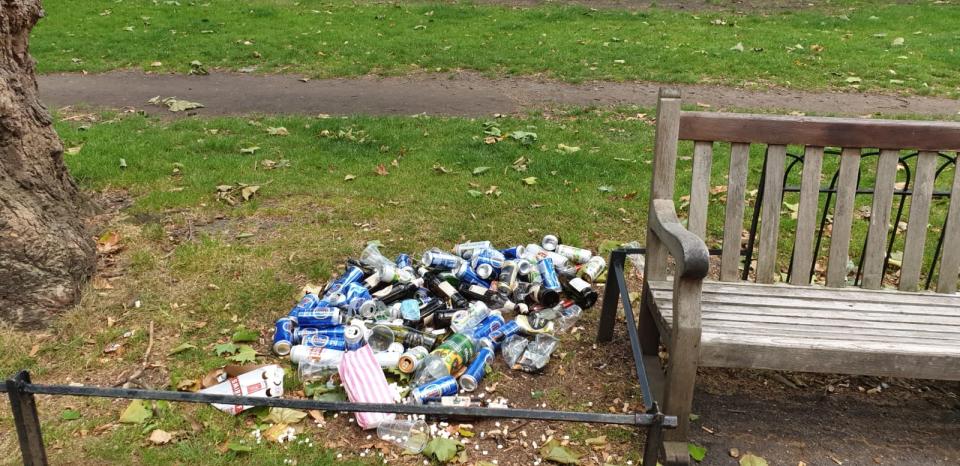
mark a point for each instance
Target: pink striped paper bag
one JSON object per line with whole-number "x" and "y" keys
{"x": 364, "y": 382}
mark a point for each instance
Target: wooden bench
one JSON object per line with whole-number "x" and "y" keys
{"x": 833, "y": 327}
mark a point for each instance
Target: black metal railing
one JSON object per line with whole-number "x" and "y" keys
{"x": 21, "y": 391}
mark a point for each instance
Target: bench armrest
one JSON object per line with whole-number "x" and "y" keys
{"x": 689, "y": 251}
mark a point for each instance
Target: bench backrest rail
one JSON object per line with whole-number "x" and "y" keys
{"x": 857, "y": 139}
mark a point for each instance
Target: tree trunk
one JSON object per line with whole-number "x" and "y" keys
{"x": 45, "y": 251}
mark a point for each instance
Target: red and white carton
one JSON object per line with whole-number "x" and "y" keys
{"x": 265, "y": 382}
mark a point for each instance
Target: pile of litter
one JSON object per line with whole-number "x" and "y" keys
{"x": 433, "y": 327}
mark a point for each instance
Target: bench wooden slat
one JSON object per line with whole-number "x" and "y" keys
{"x": 816, "y": 293}
{"x": 843, "y": 218}
{"x": 792, "y": 329}
{"x": 803, "y": 254}
{"x": 733, "y": 221}
{"x": 950, "y": 263}
{"x": 876, "y": 249}
{"x": 842, "y": 305}
{"x": 826, "y": 356}
{"x": 770, "y": 213}
{"x": 917, "y": 224}
{"x": 817, "y": 131}
{"x": 700, "y": 188}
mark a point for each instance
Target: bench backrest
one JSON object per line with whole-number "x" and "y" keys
{"x": 929, "y": 142}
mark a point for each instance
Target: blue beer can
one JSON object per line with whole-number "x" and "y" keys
{"x": 549, "y": 274}
{"x": 488, "y": 326}
{"x": 308, "y": 302}
{"x": 351, "y": 293}
{"x": 513, "y": 252}
{"x": 474, "y": 374}
{"x": 283, "y": 337}
{"x": 320, "y": 317}
{"x": 403, "y": 261}
{"x": 351, "y": 275}
{"x": 441, "y": 260}
{"x": 320, "y": 340}
{"x": 444, "y": 386}
{"x": 300, "y": 333}
{"x": 505, "y": 331}
{"x": 468, "y": 275}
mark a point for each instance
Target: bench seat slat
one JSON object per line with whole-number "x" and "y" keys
{"x": 807, "y": 328}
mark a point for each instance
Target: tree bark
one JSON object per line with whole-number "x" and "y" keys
{"x": 46, "y": 253}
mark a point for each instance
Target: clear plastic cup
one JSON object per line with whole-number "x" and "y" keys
{"x": 412, "y": 435}
{"x": 380, "y": 338}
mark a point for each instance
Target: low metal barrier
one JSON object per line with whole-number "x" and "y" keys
{"x": 21, "y": 391}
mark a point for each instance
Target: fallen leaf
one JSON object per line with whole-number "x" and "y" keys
{"x": 475, "y": 193}
{"x": 897, "y": 42}
{"x": 752, "y": 460}
{"x": 245, "y": 335}
{"x": 100, "y": 283}
{"x": 239, "y": 447}
{"x": 248, "y": 191}
{"x": 568, "y": 149}
{"x": 135, "y": 413}
{"x": 285, "y": 415}
{"x": 73, "y": 150}
{"x": 160, "y": 437}
{"x": 182, "y": 347}
{"x": 70, "y": 415}
{"x": 601, "y": 440}
{"x": 188, "y": 385}
{"x": 553, "y": 451}
{"x": 349, "y": 178}
{"x": 479, "y": 170}
{"x": 853, "y": 79}
{"x": 531, "y": 180}
{"x": 249, "y": 150}
{"x": 524, "y": 137}
{"x": 605, "y": 189}
{"x": 156, "y": 64}
{"x": 177, "y": 105}
{"x": 697, "y": 452}
{"x": 738, "y": 47}
{"x": 276, "y": 433}
{"x": 278, "y": 131}
{"x": 443, "y": 449}
{"x": 244, "y": 354}
{"x": 382, "y": 170}
{"x": 108, "y": 242}
{"x": 225, "y": 348}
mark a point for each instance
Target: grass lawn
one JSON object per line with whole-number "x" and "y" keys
{"x": 202, "y": 268}
{"x": 870, "y": 45}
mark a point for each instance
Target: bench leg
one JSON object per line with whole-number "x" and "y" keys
{"x": 611, "y": 299}
{"x": 684, "y": 356}
{"x": 646, "y": 326}
{"x": 676, "y": 454}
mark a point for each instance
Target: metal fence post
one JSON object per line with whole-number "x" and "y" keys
{"x": 25, "y": 416}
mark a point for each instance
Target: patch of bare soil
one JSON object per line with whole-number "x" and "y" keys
{"x": 456, "y": 94}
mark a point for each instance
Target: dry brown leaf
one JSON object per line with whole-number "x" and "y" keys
{"x": 382, "y": 170}
{"x": 160, "y": 437}
{"x": 108, "y": 242}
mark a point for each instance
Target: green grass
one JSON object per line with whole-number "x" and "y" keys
{"x": 346, "y": 38}
{"x": 202, "y": 268}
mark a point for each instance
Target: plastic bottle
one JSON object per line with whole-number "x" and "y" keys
{"x": 446, "y": 359}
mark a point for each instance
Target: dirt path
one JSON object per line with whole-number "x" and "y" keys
{"x": 462, "y": 94}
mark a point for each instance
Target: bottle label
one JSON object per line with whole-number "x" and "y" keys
{"x": 478, "y": 290}
{"x": 447, "y": 289}
{"x": 579, "y": 284}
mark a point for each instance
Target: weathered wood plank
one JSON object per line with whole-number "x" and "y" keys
{"x": 843, "y": 218}
{"x": 803, "y": 254}
{"x": 819, "y": 131}
{"x": 700, "y": 188}
{"x": 816, "y": 293}
{"x": 950, "y": 263}
{"x": 684, "y": 353}
{"x": 892, "y": 337}
{"x": 925, "y": 362}
{"x": 836, "y": 306}
{"x": 917, "y": 224}
{"x": 770, "y": 213}
{"x": 880, "y": 219}
{"x": 664, "y": 173}
{"x": 733, "y": 221}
